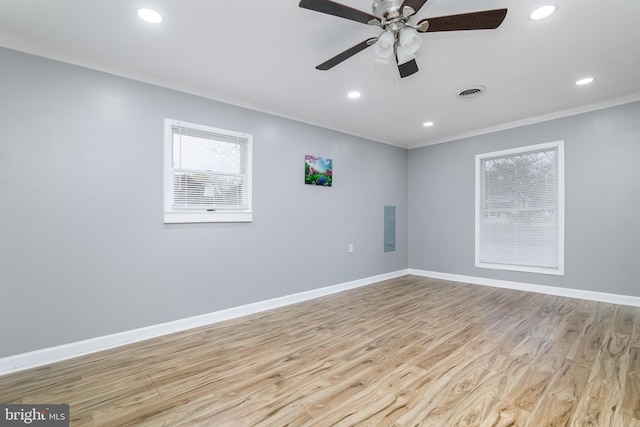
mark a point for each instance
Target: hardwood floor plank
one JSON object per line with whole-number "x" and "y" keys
{"x": 631, "y": 401}
{"x": 564, "y": 392}
{"x": 409, "y": 351}
{"x": 625, "y": 319}
{"x": 483, "y": 402}
{"x": 590, "y": 344}
{"x": 599, "y": 404}
{"x": 536, "y": 378}
{"x": 635, "y": 337}
{"x": 506, "y": 416}
{"x": 624, "y": 421}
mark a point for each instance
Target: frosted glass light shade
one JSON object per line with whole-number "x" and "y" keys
{"x": 410, "y": 41}
{"x": 403, "y": 57}
{"x": 383, "y": 48}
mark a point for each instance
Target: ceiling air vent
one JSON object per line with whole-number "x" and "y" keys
{"x": 471, "y": 92}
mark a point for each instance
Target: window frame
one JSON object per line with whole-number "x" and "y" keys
{"x": 177, "y": 216}
{"x": 559, "y": 146}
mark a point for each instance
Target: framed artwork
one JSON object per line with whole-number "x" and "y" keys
{"x": 318, "y": 171}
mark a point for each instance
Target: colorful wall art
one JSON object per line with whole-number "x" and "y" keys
{"x": 318, "y": 171}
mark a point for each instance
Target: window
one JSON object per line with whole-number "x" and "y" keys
{"x": 207, "y": 174}
{"x": 520, "y": 209}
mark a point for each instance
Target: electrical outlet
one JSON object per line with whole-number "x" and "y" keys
{"x": 350, "y": 247}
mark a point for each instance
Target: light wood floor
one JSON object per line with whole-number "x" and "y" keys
{"x": 404, "y": 352}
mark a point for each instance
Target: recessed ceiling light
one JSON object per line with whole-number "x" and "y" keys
{"x": 149, "y": 15}
{"x": 354, "y": 95}
{"x": 543, "y": 12}
{"x": 584, "y": 81}
{"x": 427, "y": 124}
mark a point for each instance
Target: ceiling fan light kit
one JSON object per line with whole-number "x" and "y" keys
{"x": 384, "y": 47}
{"x": 409, "y": 41}
{"x": 399, "y": 37}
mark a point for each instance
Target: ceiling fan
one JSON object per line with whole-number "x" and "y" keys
{"x": 399, "y": 38}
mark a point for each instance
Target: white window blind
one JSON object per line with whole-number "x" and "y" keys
{"x": 520, "y": 209}
{"x": 209, "y": 171}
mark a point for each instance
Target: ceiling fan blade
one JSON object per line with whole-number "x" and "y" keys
{"x": 337, "y": 9}
{"x": 408, "y": 68}
{"x": 345, "y": 55}
{"x": 416, "y": 5}
{"x": 485, "y": 20}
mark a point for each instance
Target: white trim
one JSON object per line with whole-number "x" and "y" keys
{"x": 36, "y": 49}
{"x": 46, "y": 356}
{"x": 192, "y": 217}
{"x": 559, "y": 145}
{"x": 530, "y": 287}
{"x": 533, "y": 120}
{"x": 172, "y": 216}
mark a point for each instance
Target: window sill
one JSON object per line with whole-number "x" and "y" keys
{"x": 522, "y": 268}
{"x": 195, "y": 217}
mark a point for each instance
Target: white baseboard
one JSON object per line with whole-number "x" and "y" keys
{"x": 529, "y": 287}
{"x": 46, "y": 356}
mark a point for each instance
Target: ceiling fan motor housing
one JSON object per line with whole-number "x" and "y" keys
{"x": 387, "y": 9}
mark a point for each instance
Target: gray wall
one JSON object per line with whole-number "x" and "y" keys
{"x": 602, "y": 210}
{"x": 84, "y": 252}
{"x": 83, "y": 249}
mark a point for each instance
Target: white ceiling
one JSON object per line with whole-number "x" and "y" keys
{"x": 262, "y": 55}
